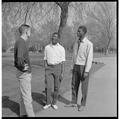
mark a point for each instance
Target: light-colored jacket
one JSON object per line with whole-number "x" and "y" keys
{"x": 83, "y": 55}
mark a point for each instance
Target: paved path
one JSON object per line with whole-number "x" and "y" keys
{"x": 102, "y": 95}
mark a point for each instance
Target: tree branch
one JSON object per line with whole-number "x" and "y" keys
{"x": 47, "y": 12}
{"x": 18, "y": 10}
{"x": 31, "y": 12}
{"x": 26, "y": 13}
{"x": 62, "y": 4}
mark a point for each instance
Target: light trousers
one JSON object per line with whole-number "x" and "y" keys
{"x": 26, "y": 107}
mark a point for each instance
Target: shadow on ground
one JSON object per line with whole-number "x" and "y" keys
{"x": 95, "y": 67}
{"x": 39, "y": 98}
{"x": 12, "y": 105}
{"x": 63, "y": 100}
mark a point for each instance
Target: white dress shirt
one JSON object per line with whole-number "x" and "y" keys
{"x": 54, "y": 54}
{"x": 84, "y": 55}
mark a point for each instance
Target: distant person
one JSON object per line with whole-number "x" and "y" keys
{"x": 82, "y": 62}
{"x": 22, "y": 63}
{"x": 54, "y": 58}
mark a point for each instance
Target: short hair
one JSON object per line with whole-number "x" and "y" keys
{"x": 23, "y": 27}
{"x": 55, "y": 33}
{"x": 84, "y": 28}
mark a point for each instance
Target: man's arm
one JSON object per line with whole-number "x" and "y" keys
{"x": 63, "y": 62}
{"x": 45, "y": 58}
{"x": 74, "y": 54}
{"x": 20, "y": 55}
{"x": 62, "y": 68}
{"x": 89, "y": 58}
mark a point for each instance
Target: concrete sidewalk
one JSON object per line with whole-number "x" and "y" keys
{"x": 102, "y": 95}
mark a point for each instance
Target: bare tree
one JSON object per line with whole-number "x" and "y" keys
{"x": 38, "y": 14}
{"x": 103, "y": 14}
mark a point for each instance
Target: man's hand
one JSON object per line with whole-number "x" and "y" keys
{"x": 71, "y": 69}
{"x": 86, "y": 74}
{"x": 62, "y": 71}
{"x": 26, "y": 67}
{"x": 61, "y": 77}
{"x": 45, "y": 64}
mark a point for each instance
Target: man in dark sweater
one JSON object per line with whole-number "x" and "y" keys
{"x": 22, "y": 63}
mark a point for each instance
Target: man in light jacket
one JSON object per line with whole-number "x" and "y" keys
{"x": 82, "y": 62}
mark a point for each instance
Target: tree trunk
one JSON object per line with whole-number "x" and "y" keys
{"x": 63, "y": 17}
{"x": 107, "y": 47}
{"x": 63, "y": 20}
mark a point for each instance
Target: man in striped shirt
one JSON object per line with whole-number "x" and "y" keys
{"x": 82, "y": 62}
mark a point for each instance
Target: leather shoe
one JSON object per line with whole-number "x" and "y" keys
{"x": 23, "y": 116}
{"x": 81, "y": 108}
{"x": 71, "y": 105}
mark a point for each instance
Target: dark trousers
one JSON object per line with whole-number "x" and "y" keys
{"x": 52, "y": 72}
{"x": 77, "y": 78}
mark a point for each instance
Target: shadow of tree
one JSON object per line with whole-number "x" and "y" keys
{"x": 12, "y": 105}
{"x": 39, "y": 98}
{"x": 63, "y": 100}
{"x": 95, "y": 67}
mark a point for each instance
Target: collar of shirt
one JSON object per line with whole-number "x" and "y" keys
{"x": 54, "y": 45}
{"x": 83, "y": 41}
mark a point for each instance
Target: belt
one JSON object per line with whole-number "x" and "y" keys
{"x": 54, "y": 64}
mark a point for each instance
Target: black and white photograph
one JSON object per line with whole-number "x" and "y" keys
{"x": 59, "y": 59}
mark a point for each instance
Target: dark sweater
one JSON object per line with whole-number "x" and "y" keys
{"x": 21, "y": 55}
